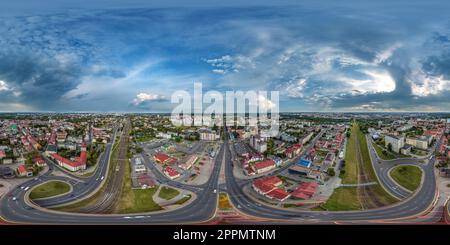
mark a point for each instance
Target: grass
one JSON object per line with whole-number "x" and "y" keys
{"x": 49, "y": 189}
{"x": 342, "y": 199}
{"x": 184, "y": 199}
{"x": 92, "y": 199}
{"x": 135, "y": 200}
{"x": 346, "y": 198}
{"x": 448, "y": 185}
{"x": 351, "y": 167}
{"x": 224, "y": 201}
{"x": 407, "y": 176}
{"x": 385, "y": 155}
{"x": 381, "y": 193}
{"x": 168, "y": 193}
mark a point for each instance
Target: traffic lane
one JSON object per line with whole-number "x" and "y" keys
{"x": 200, "y": 209}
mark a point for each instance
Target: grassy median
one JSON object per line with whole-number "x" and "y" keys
{"x": 49, "y": 189}
{"x": 407, "y": 176}
{"x": 168, "y": 193}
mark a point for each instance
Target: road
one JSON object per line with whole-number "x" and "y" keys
{"x": 200, "y": 209}
{"x": 204, "y": 206}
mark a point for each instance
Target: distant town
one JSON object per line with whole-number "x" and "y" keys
{"x": 145, "y": 169}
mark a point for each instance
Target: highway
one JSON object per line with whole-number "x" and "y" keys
{"x": 200, "y": 209}
{"x": 204, "y": 206}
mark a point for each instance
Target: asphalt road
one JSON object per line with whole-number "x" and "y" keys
{"x": 200, "y": 209}
{"x": 204, "y": 206}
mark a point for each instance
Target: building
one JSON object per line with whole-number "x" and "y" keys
{"x": 269, "y": 187}
{"x": 189, "y": 163}
{"x": 208, "y": 135}
{"x": 139, "y": 168}
{"x": 329, "y": 159}
{"x": 39, "y": 161}
{"x": 171, "y": 173}
{"x": 305, "y": 190}
{"x": 68, "y": 164}
{"x": 420, "y": 142}
{"x": 164, "y": 158}
{"x": 23, "y": 171}
{"x": 258, "y": 143}
{"x": 293, "y": 151}
{"x": 2, "y": 154}
{"x": 406, "y": 149}
{"x": 6, "y": 172}
{"x": 61, "y": 136}
{"x": 306, "y": 139}
{"x": 396, "y": 142}
{"x": 264, "y": 166}
{"x": 304, "y": 163}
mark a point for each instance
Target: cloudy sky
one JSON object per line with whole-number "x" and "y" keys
{"x": 320, "y": 55}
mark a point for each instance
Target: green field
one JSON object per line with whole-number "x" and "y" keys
{"x": 346, "y": 198}
{"x": 49, "y": 189}
{"x": 407, "y": 176}
{"x": 385, "y": 155}
{"x": 381, "y": 193}
{"x": 168, "y": 193}
{"x": 342, "y": 199}
{"x": 135, "y": 200}
{"x": 351, "y": 167}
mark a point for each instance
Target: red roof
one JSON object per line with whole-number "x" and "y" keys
{"x": 264, "y": 164}
{"x": 22, "y": 169}
{"x": 161, "y": 157}
{"x": 278, "y": 193}
{"x": 67, "y": 161}
{"x": 266, "y": 184}
{"x": 172, "y": 172}
{"x": 305, "y": 190}
{"x": 2, "y": 154}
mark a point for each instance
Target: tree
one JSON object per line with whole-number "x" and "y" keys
{"x": 389, "y": 146}
{"x": 331, "y": 172}
{"x": 348, "y": 134}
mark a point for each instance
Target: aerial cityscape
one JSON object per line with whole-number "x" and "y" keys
{"x": 266, "y": 113}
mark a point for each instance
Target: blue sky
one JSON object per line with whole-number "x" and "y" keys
{"x": 132, "y": 55}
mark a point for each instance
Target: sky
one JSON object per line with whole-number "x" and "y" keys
{"x": 131, "y": 56}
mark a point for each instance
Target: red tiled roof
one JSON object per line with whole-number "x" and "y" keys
{"x": 22, "y": 169}
{"x": 264, "y": 164}
{"x": 278, "y": 193}
{"x": 161, "y": 157}
{"x": 59, "y": 158}
{"x": 172, "y": 172}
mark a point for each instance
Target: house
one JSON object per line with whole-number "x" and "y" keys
{"x": 293, "y": 151}
{"x": 39, "y": 161}
{"x": 22, "y": 171}
{"x": 264, "y": 166}
{"x": 68, "y": 164}
{"x": 269, "y": 187}
{"x": 298, "y": 169}
{"x": 2, "y": 154}
{"x": 305, "y": 190}
{"x": 171, "y": 173}
{"x": 164, "y": 158}
{"x": 329, "y": 158}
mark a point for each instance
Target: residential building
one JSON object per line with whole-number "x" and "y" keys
{"x": 396, "y": 142}
{"x": 171, "y": 173}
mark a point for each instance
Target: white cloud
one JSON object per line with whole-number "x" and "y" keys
{"x": 377, "y": 81}
{"x": 4, "y": 86}
{"x": 429, "y": 85}
{"x": 144, "y": 97}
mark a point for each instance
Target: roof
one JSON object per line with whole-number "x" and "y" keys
{"x": 305, "y": 190}
{"x": 171, "y": 172}
{"x": 264, "y": 164}
{"x": 22, "y": 169}
{"x": 66, "y": 161}
{"x": 161, "y": 157}
{"x": 278, "y": 193}
{"x": 304, "y": 163}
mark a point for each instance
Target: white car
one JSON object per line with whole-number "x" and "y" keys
{"x": 102, "y": 177}
{"x": 26, "y": 189}
{"x": 14, "y": 198}
{"x": 215, "y": 191}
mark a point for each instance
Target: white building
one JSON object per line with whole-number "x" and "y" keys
{"x": 397, "y": 142}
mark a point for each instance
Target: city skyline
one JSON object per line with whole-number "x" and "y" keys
{"x": 130, "y": 58}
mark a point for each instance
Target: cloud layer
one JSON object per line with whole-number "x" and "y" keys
{"x": 395, "y": 57}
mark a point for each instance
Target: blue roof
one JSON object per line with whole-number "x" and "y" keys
{"x": 304, "y": 163}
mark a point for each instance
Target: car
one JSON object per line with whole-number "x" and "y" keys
{"x": 215, "y": 191}
{"x": 14, "y": 198}
{"x": 22, "y": 187}
{"x": 26, "y": 189}
{"x": 102, "y": 177}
